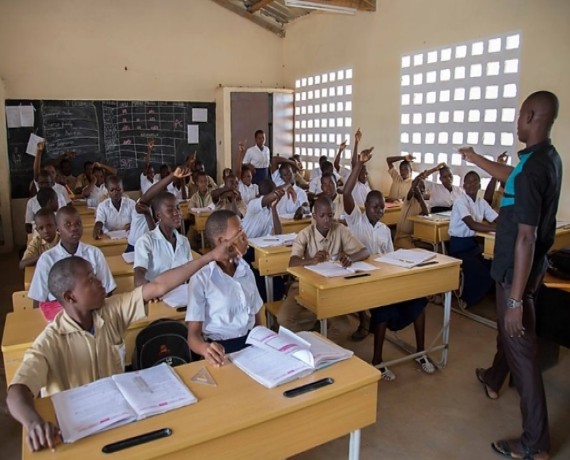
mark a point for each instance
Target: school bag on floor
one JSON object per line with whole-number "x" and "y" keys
{"x": 162, "y": 341}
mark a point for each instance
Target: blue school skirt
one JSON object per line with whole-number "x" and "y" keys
{"x": 397, "y": 315}
{"x": 260, "y": 174}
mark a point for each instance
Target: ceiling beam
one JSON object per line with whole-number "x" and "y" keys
{"x": 247, "y": 15}
{"x": 259, "y": 5}
{"x": 361, "y": 5}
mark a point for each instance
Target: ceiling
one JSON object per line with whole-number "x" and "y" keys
{"x": 274, "y": 15}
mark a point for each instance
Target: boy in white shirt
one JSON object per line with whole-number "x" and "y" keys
{"x": 468, "y": 217}
{"x": 164, "y": 247}
{"x": 96, "y": 191}
{"x": 224, "y": 303}
{"x": 261, "y": 218}
{"x": 247, "y": 189}
{"x": 115, "y": 212}
{"x": 377, "y": 238}
{"x": 315, "y": 184}
{"x": 295, "y": 198}
{"x": 46, "y": 197}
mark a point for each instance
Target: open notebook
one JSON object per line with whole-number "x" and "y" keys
{"x": 273, "y": 240}
{"x": 118, "y": 400}
{"x": 331, "y": 269}
{"x": 277, "y": 358}
{"x": 407, "y": 258}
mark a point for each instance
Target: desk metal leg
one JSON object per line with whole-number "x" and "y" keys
{"x": 324, "y": 327}
{"x": 203, "y": 241}
{"x": 269, "y": 293}
{"x": 446, "y": 319}
{"x": 354, "y": 445}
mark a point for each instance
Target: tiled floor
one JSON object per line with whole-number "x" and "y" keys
{"x": 420, "y": 417}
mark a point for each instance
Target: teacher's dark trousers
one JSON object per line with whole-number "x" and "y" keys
{"x": 518, "y": 355}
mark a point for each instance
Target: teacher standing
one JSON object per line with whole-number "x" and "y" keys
{"x": 258, "y": 157}
{"x": 525, "y": 232}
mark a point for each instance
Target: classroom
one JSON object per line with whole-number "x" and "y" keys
{"x": 202, "y": 52}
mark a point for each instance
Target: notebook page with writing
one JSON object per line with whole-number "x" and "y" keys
{"x": 91, "y": 408}
{"x": 332, "y": 269}
{"x": 407, "y": 258}
{"x": 117, "y": 234}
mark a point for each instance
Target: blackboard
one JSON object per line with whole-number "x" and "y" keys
{"x": 113, "y": 132}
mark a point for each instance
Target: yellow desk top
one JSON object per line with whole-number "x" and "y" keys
{"x": 431, "y": 219}
{"x": 87, "y": 238}
{"x": 551, "y": 281}
{"x": 238, "y": 418}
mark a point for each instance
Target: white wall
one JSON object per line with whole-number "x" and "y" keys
{"x": 372, "y": 43}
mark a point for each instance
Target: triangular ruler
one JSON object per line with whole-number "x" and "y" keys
{"x": 203, "y": 376}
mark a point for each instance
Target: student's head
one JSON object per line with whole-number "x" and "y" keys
{"x": 471, "y": 183}
{"x": 65, "y": 167}
{"x": 44, "y": 221}
{"x": 69, "y": 225}
{"x": 246, "y": 176}
{"x": 51, "y": 171}
{"x": 222, "y": 226}
{"x": 260, "y": 138}
{"x": 88, "y": 168}
{"x": 231, "y": 182}
{"x": 322, "y": 159}
{"x": 74, "y": 284}
{"x": 266, "y": 186}
{"x": 297, "y": 159}
{"x": 537, "y": 115}
{"x": 99, "y": 175}
{"x": 201, "y": 181}
{"x": 166, "y": 211}
{"x": 327, "y": 167}
{"x": 374, "y": 205}
{"x": 164, "y": 171}
{"x": 286, "y": 173}
{"x": 328, "y": 185}
{"x": 226, "y": 172}
{"x": 323, "y": 214}
{"x": 446, "y": 177}
{"x": 45, "y": 180}
{"x": 199, "y": 166}
{"x": 47, "y": 198}
{"x": 363, "y": 175}
{"x": 114, "y": 186}
{"x": 405, "y": 169}
{"x": 150, "y": 173}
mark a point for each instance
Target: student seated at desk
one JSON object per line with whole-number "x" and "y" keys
{"x": 115, "y": 212}
{"x": 85, "y": 342}
{"x": 467, "y": 217}
{"x": 329, "y": 190}
{"x": 402, "y": 180}
{"x": 198, "y": 167}
{"x": 50, "y": 169}
{"x": 84, "y": 179}
{"x": 96, "y": 191}
{"x": 64, "y": 168}
{"x": 164, "y": 247}
{"x": 323, "y": 240}
{"x": 202, "y": 198}
{"x": 300, "y": 173}
{"x": 228, "y": 196}
{"x": 148, "y": 177}
{"x": 70, "y": 230}
{"x": 224, "y": 301}
{"x": 414, "y": 205}
{"x": 442, "y": 195}
{"x": 247, "y": 189}
{"x": 46, "y": 237}
{"x": 47, "y": 198}
{"x": 315, "y": 185}
{"x": 377, "y": 238}
{"x": 295, "y": 198}
{"x": 276, "y": 163}
{"x": 492, "y": 195}
{"x": 318, "y": 172}
{"x": 261, "y": 218}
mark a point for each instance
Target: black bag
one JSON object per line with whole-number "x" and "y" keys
{"x": 559, "y": 263}
{"x": 162, "y": 341}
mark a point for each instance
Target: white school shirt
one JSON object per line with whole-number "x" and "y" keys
{"x": 98, "y": 194}
{"x": 440, "y": 196}
{"x": 112, "y": 219}
{"x": 154, "y": 253}
{"x": 276, "y": 178}
{"x": 59, "y": 189}
{"x": 146, "y": 184}
{"x": 33, "y": 206}
{"x": 177, "y": 192}
{"x": 258, "y": 220}
{"x": 139, "y": 227}
{"x": 360, "y": 192}
{"x": 225, "y": 305}
{"x": 315, "y": 185}
{"x": 287, "y": 206}
{"x": 39, "y": 286}
{"x": 248, "y": 193}
{"x": 377, "y": 239}
{"x": 464, "y": 206}
{"x": 256, "y": 157}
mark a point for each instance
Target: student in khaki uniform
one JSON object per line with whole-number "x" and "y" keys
{"x": 413, "y": 205}
{"x": 323, "y": 240}
{"x": 46, "y": 237}
{"x": 85, "y": 341}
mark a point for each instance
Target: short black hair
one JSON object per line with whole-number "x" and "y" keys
{"x": 266, "y": 186}
{"x": 200, "y": 174}
{"x": 44, "y": 174}
{"x": 87, "y": 163}
{"x": 67, "y": 210}
{"x": 45, "y": 212}
{"x": 374, "y": 194}
{"x": 259, "y": 131}
{"x": 405, "y": 163}
{"x": 62, "y": 276}
{"x": 321, "y": 201}
{"x": 164, "y": 167}
{"x": 283, "y": 166}
{"x": 160, "y": 198}
{"x": 217, "y": 224}
{"x": 328, "y": 175}
{"x": 472, "y": 173}
{"x": 113, "y": 180}
{"x": 326, "y": 167}
{"x": 98, "y": 170}
{"x": 45, "y": 195}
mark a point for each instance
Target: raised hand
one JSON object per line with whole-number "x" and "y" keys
{"x": 409, "y": 157}
{"x": 150, "y": 143}
{"x": 342, "y": 146}
{"x": 228, "y": 249}
{"x": 241, "y": 147}
{"x": 365, "y": 155}
{"x": 181, "y": 172}
{"x": 468, "y": 153}
{"x": 40, "y": 147}
{"x": 358, "y": 135}
{"x": 278, "y": 193}
{"x": 503, "y": 157}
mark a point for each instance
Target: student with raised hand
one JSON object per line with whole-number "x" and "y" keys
{"x": 96, "y": 191}
{"x": 414, "y": 205}
{"x": 46, "y": 197}
{"x": 247, "y": 189}
{"x": 261, "y": 218}
{"x": 325, "y": 239}
{"x": 85, "y": 342}
{"x": 300, "y": 178}
{"x": 46, "y": 237}
{"x": 164, "y": 247}
{"x": 492, "y": 195}
{"x": 401, "y": 179}
{"x": 50, "y": 169}
{"x": 258, "y": 156}
{"x": 70, "y": 230}
{"x": 203, "y": 197}
{"x": 469, "y": 215}
{"x": 442, "y": 195}
{"x": 224, "y": 303}
{"x": 228, "y": 196}
{"x": 295, "y": 199}
{"x": 115, "y": 212}
{"x": 64, "y": 166}
{"x": 199, "y": 168}
{"x": 276, "y": 162}
{"x": 148, "y": 176}
{"x": 84, "y": 179}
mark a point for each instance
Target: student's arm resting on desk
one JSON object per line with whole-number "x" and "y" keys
{"x": 466, "y": 217}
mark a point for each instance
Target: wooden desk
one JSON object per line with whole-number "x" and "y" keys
{"x": 22, "y": 328}
{"x": 391, "y": 214}
{"x": 561, "y": 240}
{"x": 551, "y": 281}
{"x": 199, "y": 224}
{"x": 108, "y": 246}
{"x": 431, "y": 229}
{"x": 117, "y": 265}
{"x": 294, "y": 226}
{"x": 329, "y": 297}
{"x": 239, "y": 418}
{"x": 270, "y": 262}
